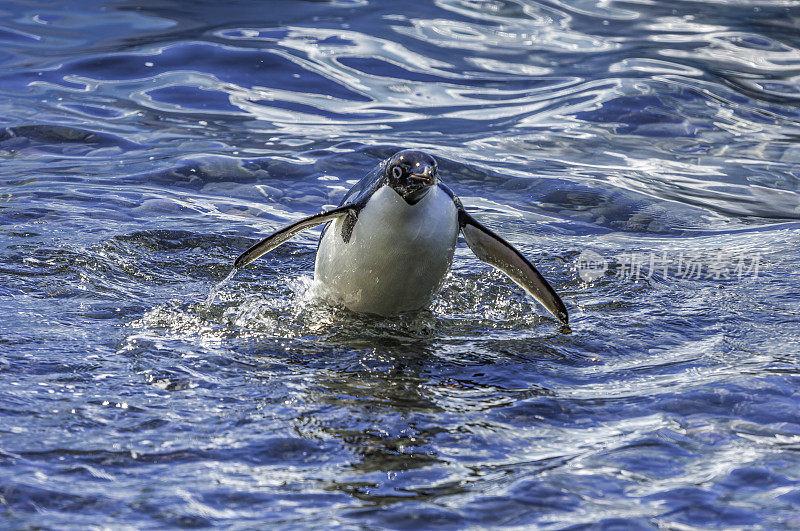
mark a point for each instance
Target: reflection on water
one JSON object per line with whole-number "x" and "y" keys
{"x": 146, "y": 145}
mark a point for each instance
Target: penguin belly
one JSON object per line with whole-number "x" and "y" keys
{"x": 397, "y": 257}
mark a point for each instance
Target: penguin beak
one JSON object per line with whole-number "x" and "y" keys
{"x": 419, "y": 184}
{"x": 426, "y": 178}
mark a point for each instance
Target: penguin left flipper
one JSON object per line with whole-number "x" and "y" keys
{"x": 280, "y": 236}
{"x": 495, "y": 251}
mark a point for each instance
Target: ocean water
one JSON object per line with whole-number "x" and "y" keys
{"x": 645, "y": 155}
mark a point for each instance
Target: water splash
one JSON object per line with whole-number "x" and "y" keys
{"x": 212, "y": 294}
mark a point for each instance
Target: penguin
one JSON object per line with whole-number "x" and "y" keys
{"x": 388, "y": 246}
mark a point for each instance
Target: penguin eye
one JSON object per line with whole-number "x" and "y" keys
{"x": 397, "y": 171}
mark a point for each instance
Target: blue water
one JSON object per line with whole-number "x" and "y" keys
{"x": 645, "y": 155}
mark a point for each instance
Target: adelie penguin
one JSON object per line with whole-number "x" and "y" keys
{"x": 388, "y": 246}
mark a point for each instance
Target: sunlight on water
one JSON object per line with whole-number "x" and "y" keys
{"x": 643, "y": 155}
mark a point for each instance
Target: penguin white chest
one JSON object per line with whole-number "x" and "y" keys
{"x": 397, "y": 255}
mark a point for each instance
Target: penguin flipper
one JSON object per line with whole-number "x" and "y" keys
{"x": 280, "y": 236}
{"x": 495, "y": 251}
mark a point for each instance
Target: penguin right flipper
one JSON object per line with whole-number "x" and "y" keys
{"x": 280, "y": 236}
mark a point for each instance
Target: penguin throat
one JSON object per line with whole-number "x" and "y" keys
{"x": 414, "y": 195}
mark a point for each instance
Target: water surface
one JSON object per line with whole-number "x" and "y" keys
{"x": 144, "y": 145}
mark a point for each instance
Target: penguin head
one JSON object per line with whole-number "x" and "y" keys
{"x": 411, "y": 174}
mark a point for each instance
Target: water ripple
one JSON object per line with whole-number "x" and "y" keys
{"x": 145, "y": 145}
